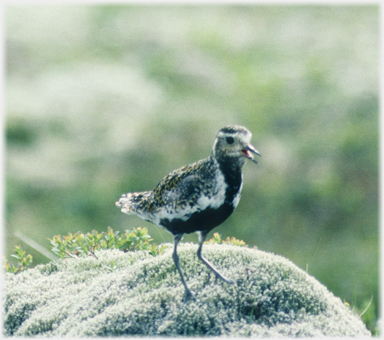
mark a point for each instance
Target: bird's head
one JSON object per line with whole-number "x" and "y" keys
{"x": 233, "y": 144}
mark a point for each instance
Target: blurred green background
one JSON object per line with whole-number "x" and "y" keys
{"x": 107, "y": 99}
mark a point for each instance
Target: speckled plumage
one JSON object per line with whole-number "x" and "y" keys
{"x": 183, "y": 192}
{"x": 174, "y": 191}
{"x": 197, "y": 197}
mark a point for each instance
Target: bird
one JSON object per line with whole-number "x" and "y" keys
{"x": 197, "y": 197}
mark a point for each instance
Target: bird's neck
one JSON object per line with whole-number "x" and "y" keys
{"x": 230, "y": 165}
{"x": 232, "y": 175}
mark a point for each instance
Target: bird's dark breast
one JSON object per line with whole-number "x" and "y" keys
{"x": 209, "y": 218}
{"x": 204, "y": 220}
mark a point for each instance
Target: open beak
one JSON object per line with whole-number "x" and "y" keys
{"x": 248, "y": 151}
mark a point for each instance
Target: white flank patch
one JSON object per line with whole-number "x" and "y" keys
{"x": 218, "y": 197}
{"x": 236, "y": 199}
{"x": 215, "y": 201}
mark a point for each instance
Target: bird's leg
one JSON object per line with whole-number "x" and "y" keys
{"x": 188, "y": 293}
{"x": 202, "y": 236}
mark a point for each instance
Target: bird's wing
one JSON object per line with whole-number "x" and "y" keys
{"x": 180, "y": 187}
{"x": 185, "y": 191}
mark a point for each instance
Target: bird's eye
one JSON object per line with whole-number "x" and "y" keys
{"x": 229, "y": 140}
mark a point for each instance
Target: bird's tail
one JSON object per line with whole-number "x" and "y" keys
{"x": 129, "y": 203}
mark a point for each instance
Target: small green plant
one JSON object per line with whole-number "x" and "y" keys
{"x": 23, "y": 261}
{"x": 80, "y": 245}
{"x": 217, "y": 239}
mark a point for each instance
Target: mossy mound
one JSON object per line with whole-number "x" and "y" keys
{"x": 138, "y": 294}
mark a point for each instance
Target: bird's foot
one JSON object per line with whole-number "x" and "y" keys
{"x": 188, "y": 296}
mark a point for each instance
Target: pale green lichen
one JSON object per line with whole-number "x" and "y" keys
{"x": 138, "y": 294}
